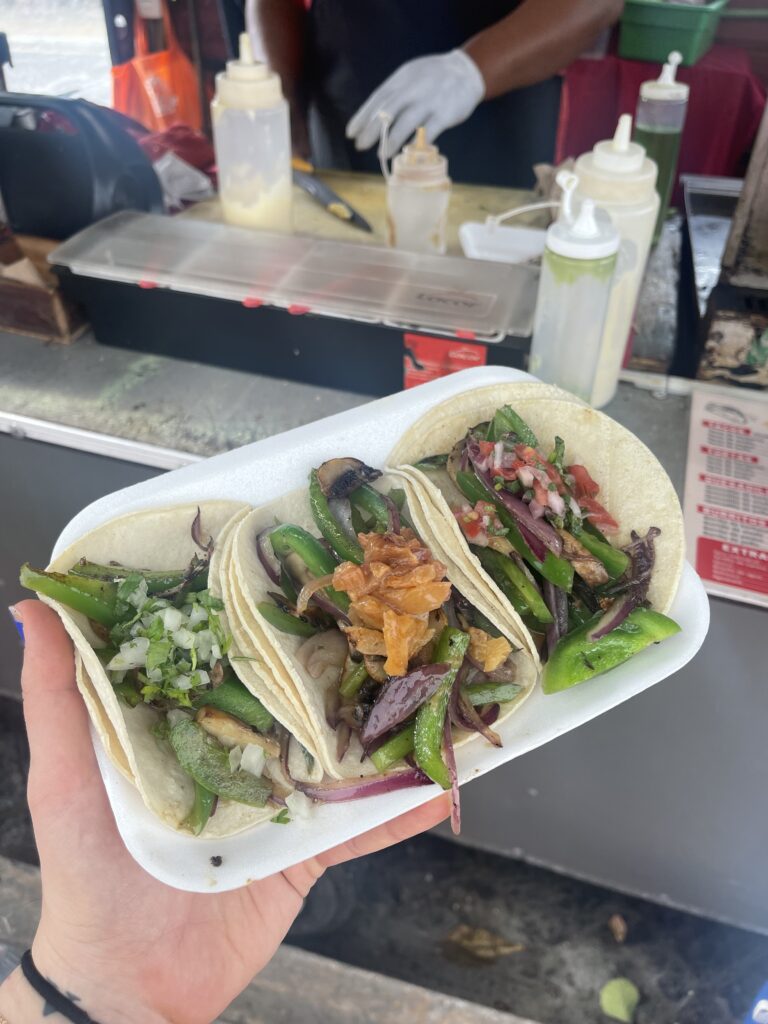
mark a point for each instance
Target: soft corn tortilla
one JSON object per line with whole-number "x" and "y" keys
{"x": 634, "y": 487}
{"x": 252, "y": 585}
{"x": 151, "y": 539}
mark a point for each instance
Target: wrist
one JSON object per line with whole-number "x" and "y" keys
{"x": 96, "y": 994}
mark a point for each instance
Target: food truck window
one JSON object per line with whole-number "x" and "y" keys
{"x": 58, "y": 47}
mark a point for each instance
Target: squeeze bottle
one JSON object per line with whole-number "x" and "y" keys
{"x": 577, "y": 269}
{"x": 418, "y": 193}
{"x": 252, "y": 139}
{"x": 659, "y": 122}
{"x": 619, "y": 177}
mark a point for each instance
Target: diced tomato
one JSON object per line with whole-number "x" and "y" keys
{"x": 529, "y": 456}
{"x": 584, "y": 485}
{"x": 471, "y": 525}
{"x": 597, "y": 515}
{"x": 555, "y": 477}
{"x": 486, "y": 448}
{"x": 540, "y": 492}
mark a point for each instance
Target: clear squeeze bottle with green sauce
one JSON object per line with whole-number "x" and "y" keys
{"x": 577, "y": 271}
{"x": 659, "y": 122}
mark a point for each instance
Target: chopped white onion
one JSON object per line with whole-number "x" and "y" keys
{"x": 182, "y": 682}
{"x": 253, "y": 759}
{"x": 299, "y": 805}
{"x": 155, "y": 675}
{"x": 200, "y": 678}
{"x": 235, "y": 757}
{"x": 184, "y": 638}
{"x": 138, "y": 595}
{"x": 132, "y": 654}
{"x": 198, "y": 614}
{"x": 172, "y": 619}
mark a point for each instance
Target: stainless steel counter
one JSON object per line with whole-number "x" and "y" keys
{"x": 661, "y": 797}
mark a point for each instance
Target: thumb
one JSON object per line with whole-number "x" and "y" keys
{"x": 62, "y": 758}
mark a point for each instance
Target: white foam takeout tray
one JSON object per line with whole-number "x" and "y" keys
{"x": 262, "y": 471}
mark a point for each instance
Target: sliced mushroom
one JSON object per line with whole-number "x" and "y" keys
{"x": 339, "y": 477}
{"x": 591, "y": 569}
{"x": 231, "y": 732}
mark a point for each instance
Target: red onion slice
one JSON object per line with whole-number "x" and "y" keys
{"x": 267, "y": 557}
{"x": 341, "y": 510}
{"x": 539, "y": 528}
{"x": 450, "y": 761}
{"x": 399, "y": 698}
{"x": 557, "y": 602}
{"x": 642, "y": 557}
{"x": 372, "y": 785}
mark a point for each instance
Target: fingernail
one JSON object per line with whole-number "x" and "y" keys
{"x": 17, "y": 621}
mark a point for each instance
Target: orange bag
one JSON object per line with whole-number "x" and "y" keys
{"x": 157, "y": 89}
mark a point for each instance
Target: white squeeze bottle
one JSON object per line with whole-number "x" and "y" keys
{"x": 619, "y": 177}
{"x": 577, "y": 271}
{"x": 252, "y": 139}
{"x": 418, "y": 193}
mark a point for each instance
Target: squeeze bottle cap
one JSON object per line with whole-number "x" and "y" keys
{"x": 248, "y": 83}
{"x": 666, "y": 86}
{"x": 588, "y": 234}
{"x": 620, "y": 154}
{"x": 420, "y": 163}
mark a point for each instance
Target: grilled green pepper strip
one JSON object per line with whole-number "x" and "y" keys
{"x": 320, "y": 562}
{"x": 231, "y": 696}
{"x": 480, "y": 622}
{"x": 506, "y": 421}
{"x": 345, "y": 547}
{"x": 395, "y": 749}
{"x": 286, "y": 622}
{"x": 157, "y": 580}
{"x": 93, "y": 598}
{"x": 353, "y": 680}
{"x": 576, "y": 658}
{"x": 614, "y": 560}
{"x": 371, "y": 502}
{"x": 490, "y": 693}
{"x": 202, "y": 757}
{"x": 504, "y": 569}
{"x": 430, "y": 718}
{"x": 198, "y": 817}
{"x": 556, "y": 570}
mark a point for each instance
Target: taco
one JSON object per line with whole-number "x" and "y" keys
{"x": 392, "y": 656}
{"x": 187, "y": 716}
{"x": 563, "y": 518}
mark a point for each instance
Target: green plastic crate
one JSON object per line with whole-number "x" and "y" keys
{"x": 650, "y": 29}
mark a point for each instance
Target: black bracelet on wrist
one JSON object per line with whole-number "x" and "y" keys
{"x": 54, "y": 1000}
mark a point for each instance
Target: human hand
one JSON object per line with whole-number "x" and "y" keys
{"x": 127, "y": 947}
{"x": 437, "y": 92}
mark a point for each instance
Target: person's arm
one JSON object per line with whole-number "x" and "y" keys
{"x": 283, "y": 28}
{"x": 537, "y": 40}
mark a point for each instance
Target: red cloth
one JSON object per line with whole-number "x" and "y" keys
{"x": 724, "y": 108}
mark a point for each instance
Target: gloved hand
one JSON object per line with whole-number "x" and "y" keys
{"x": 438, "y": 92}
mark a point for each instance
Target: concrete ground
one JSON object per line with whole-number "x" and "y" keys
{"x": 488, "y": 930}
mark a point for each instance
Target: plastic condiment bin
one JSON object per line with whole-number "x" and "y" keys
{"x": 651, "y": 28}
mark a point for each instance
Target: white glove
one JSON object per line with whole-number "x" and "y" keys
{"x": 438, "y": 92}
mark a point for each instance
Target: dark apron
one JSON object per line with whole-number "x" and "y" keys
{"x": 354, "y": 45}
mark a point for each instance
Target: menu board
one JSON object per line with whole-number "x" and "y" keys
{"x": 726, "y": 494}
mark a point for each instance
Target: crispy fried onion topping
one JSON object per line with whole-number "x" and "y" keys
{"x": 392, "y": 594}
